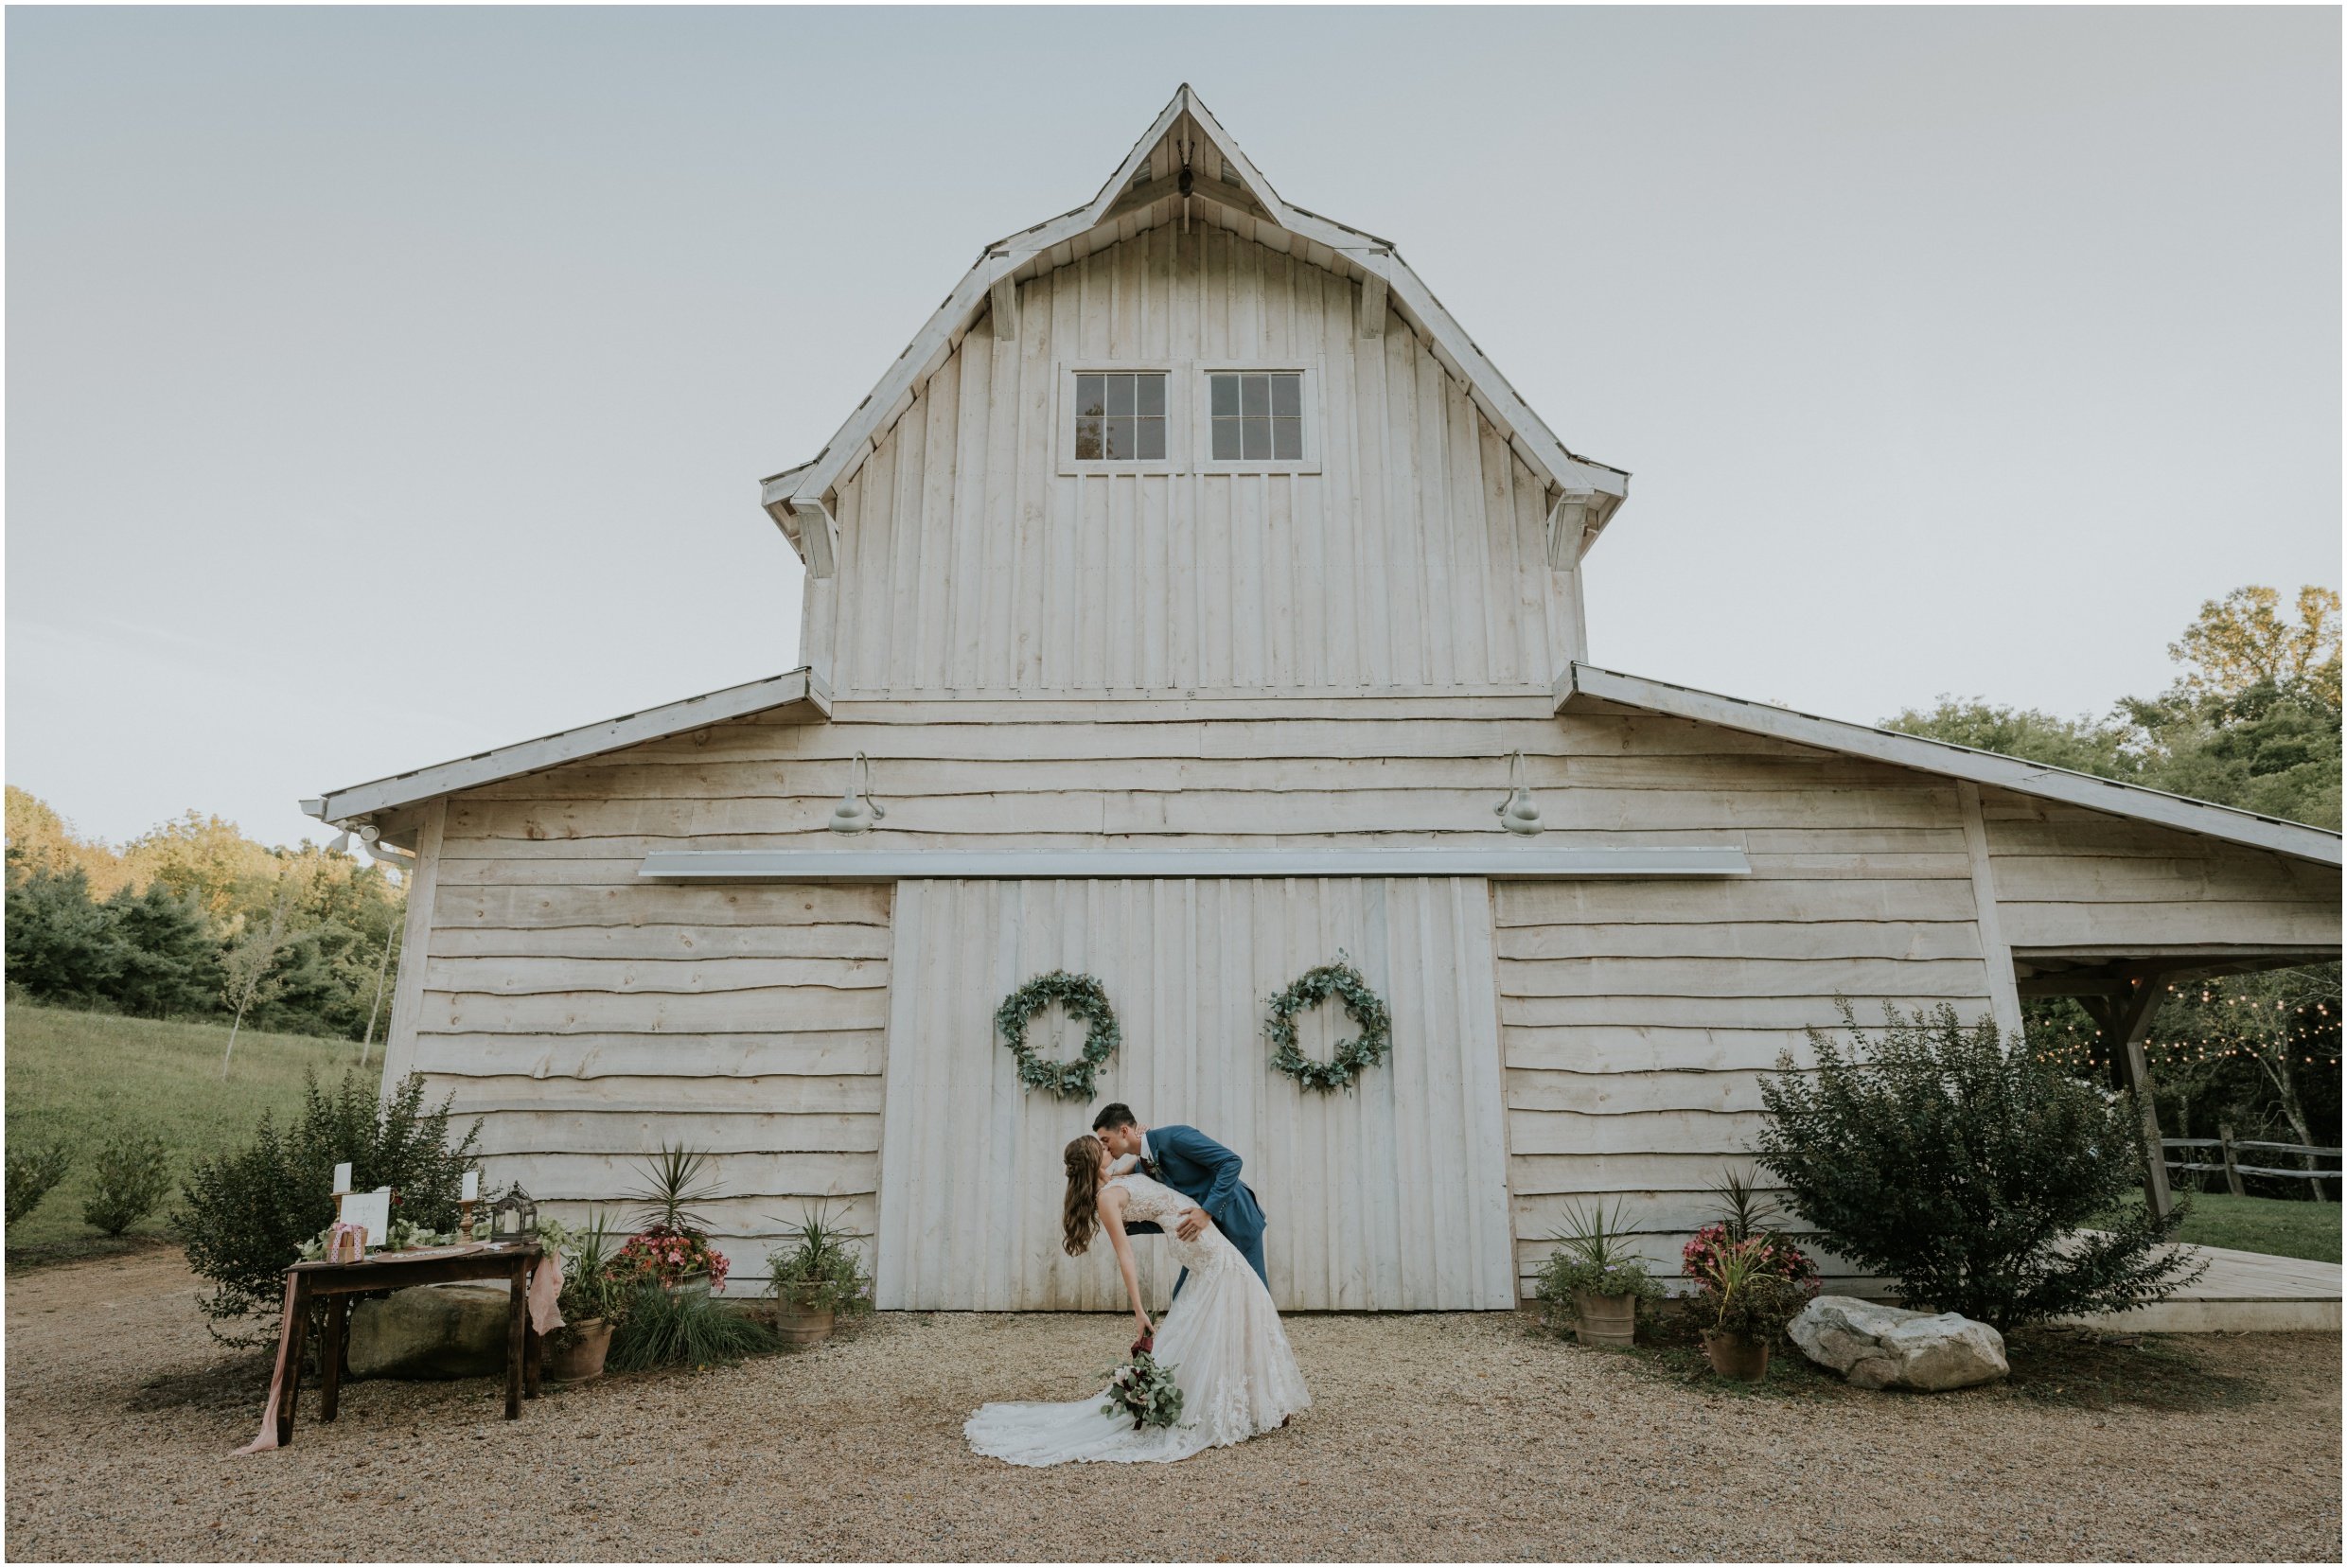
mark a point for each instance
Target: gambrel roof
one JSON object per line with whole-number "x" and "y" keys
{"x": 1218, "y": 183}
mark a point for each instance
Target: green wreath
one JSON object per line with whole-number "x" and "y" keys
{"x": 1368, "y": 1008}
{"x": 1083, "y": 997}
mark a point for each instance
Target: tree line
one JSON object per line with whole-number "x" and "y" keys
{"x": 2251, "y": 720}
{"x": 195, "y": 920}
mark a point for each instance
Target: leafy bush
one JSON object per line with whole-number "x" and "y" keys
{"x": 1967, "y": 1171}
{"x": 133, "y": 1171}
{"x": 684, "y": 1329}
{"x": 33, "y": 1169}
{"x": 1593, "y": 1255}
{"x": 592, "y": 1286}
{"x": 244, "y": 1215}
{"x": 823, "y": 1269}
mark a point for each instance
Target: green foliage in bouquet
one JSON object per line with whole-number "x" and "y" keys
{"x": 1144, "y": 1390}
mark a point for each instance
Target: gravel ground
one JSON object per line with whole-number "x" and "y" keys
{"x": 1433, "y": 1437}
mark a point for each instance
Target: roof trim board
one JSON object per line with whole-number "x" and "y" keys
{"x": 800, "y": 496}
{"x": 1499, "y": 863}
{"x": 1582, "y": 683}
{"x": 799, "y": 688}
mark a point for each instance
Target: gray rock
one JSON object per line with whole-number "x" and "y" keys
{"x": 431, "y": 1332}
{"x": 1877, "y": 1347}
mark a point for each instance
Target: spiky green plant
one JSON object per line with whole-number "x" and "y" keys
{"x": 684, "y": 1329}
{"x": 823, "y": 1269}
{"x": 673, "y": 1183}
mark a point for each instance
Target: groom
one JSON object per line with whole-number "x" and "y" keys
{"x": 1200, "y": 1170}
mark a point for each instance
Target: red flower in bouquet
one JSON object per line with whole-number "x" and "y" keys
{"x": 666, "y": 1258}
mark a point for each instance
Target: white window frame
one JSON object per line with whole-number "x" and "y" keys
{"x": 1201, "y": 414}
{"x": 1064, "y": 417}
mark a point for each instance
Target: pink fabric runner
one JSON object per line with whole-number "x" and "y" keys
{"x": 545, "y": 1317}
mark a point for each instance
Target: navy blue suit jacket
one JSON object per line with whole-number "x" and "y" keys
{"x": 1207, "y": 1173}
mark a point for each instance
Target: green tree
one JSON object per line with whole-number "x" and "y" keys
{"x": 2246, "y": 639}
{"x": 61, "y": 944}
{"x": 172, "y": 955}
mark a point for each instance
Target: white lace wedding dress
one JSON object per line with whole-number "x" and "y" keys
{"x": 1222, "y": 1338}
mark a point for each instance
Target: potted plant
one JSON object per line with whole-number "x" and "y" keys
{"x": 1744, "y": 1300}
{"x": 594, "y": 1301}
{"x": 671, "y": 1246}
{"x": 1594, "y": 1280}
{"x": 813, "y": 1279}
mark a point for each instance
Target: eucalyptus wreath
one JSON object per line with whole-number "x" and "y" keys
{"x": 1368, "y": 1008}
{"x": 1083, "y": 997}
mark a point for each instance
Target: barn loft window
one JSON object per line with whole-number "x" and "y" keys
{"x": 1256, "y": 415}
{"x": 1120, "y": 416}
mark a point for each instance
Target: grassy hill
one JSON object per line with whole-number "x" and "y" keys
{"x": 77, "y": 1074}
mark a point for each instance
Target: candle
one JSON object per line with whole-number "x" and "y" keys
{"x": 472, "y": 1187}
{"x": 342, "y": 1178}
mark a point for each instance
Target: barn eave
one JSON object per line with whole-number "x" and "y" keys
{"x": 1584, "y": 686}
{"x": 801, "y": 691}
{"x": 1583, "y": 493}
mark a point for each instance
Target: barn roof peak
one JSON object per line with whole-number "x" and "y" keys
{"x": 1187, "y": 165}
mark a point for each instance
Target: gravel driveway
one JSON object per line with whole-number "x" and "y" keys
{"x": 1437, "y": 1437}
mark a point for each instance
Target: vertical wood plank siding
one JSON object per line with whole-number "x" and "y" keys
{"x": 1415, "y": 559}
{"x": 1391, "y": 1197}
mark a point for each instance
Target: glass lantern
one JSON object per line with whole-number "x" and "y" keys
{"x": 513, "y": 1217}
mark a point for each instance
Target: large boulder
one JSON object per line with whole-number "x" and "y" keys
{"x": 431, "y": 1332}
{"x": 1877, "y": 1347}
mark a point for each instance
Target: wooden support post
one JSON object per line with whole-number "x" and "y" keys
{"x": 2232, "y": 1172}
{"x": 2131, "y": 1021}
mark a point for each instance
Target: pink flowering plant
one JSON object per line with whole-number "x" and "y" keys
{"x": 668, "y": 1258}
{"x": 672, "y": 1243}
{"x": 1744, "y": 1216}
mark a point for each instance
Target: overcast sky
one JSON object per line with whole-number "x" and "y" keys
{"x": 385, "y": 385}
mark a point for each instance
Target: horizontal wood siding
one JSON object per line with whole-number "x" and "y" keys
{"x": 587, "y": 1025}
{"x": 1393, "y": 1196}
{"x": 1416, "y": 558}
{"x": 2069, "y": 877}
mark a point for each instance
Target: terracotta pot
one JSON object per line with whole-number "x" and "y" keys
{"x": 1738, "y": 1356}
{"x": 798, "y": 1321}
{"x": 1609, "y": 1320}
{"x": 578, "y": 1356}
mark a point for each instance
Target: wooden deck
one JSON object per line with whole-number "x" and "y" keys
{"x": 2244, "y": 1292}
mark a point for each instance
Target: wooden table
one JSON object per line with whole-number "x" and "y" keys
{"x": 336, "y": 1283}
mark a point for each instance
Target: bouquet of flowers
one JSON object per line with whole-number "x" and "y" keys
{"x": 666, "y": 1258}
{"x": 1144, "y": 1390}
{"x": 1772, "y": 1254}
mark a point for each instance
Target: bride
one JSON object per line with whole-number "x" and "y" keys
{"x": 1222, "y": 1338}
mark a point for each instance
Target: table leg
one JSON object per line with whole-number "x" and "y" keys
{"x": 517, "y": 1325}
{"x": 330, "y": 1356}
{"x": 297, "y": 1336}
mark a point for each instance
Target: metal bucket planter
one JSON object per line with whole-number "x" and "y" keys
{"x": 1608, "y": 1320}
{"x": 577, "y": 1356}
{"x": 1738, "y": 1356}
{"x": 800, "y": 1321}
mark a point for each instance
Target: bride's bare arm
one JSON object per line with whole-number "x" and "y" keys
{"x": 1112, "y": 1221}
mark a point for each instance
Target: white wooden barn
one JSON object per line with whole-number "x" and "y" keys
{"x": 1190, "y": 583}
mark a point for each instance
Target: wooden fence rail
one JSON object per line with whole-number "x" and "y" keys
{"x": 2229, "y": 1146}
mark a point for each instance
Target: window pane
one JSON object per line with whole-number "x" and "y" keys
{"x": 1151, "y": 394}
{"x": 1227, "y": 437}
{"x": 1120, "y": 437}
{"x": 1226, "y": 390}
{"x": 1119, "y": 394}
{"x": 1149, "y": 438}
{"x": 1287, "y": 395}
{"x": 1255, "y": 395}
{"x": 1088, "y": 394}
{"x": 1257, "y": 442}
{"x": 1287, "y": 438}
{"x": 1087, "y": 438}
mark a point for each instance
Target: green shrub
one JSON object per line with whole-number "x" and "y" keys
{"x": 684, "y": 1329}
{"x": 133, "y": 1176}
{"x": 244, "y": 1215}
{"x": 1967, "y": 1171}
{"x": 33, "y": 1169}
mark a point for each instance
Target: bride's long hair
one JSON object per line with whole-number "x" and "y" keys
{"x": 1080, "y": 1215}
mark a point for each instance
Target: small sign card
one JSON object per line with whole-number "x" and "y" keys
{"x": 342, "y": 1178}
{"x": 372, "y": 1212}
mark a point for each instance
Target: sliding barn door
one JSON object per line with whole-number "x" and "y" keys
{"x": 1394, "y": 1196}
